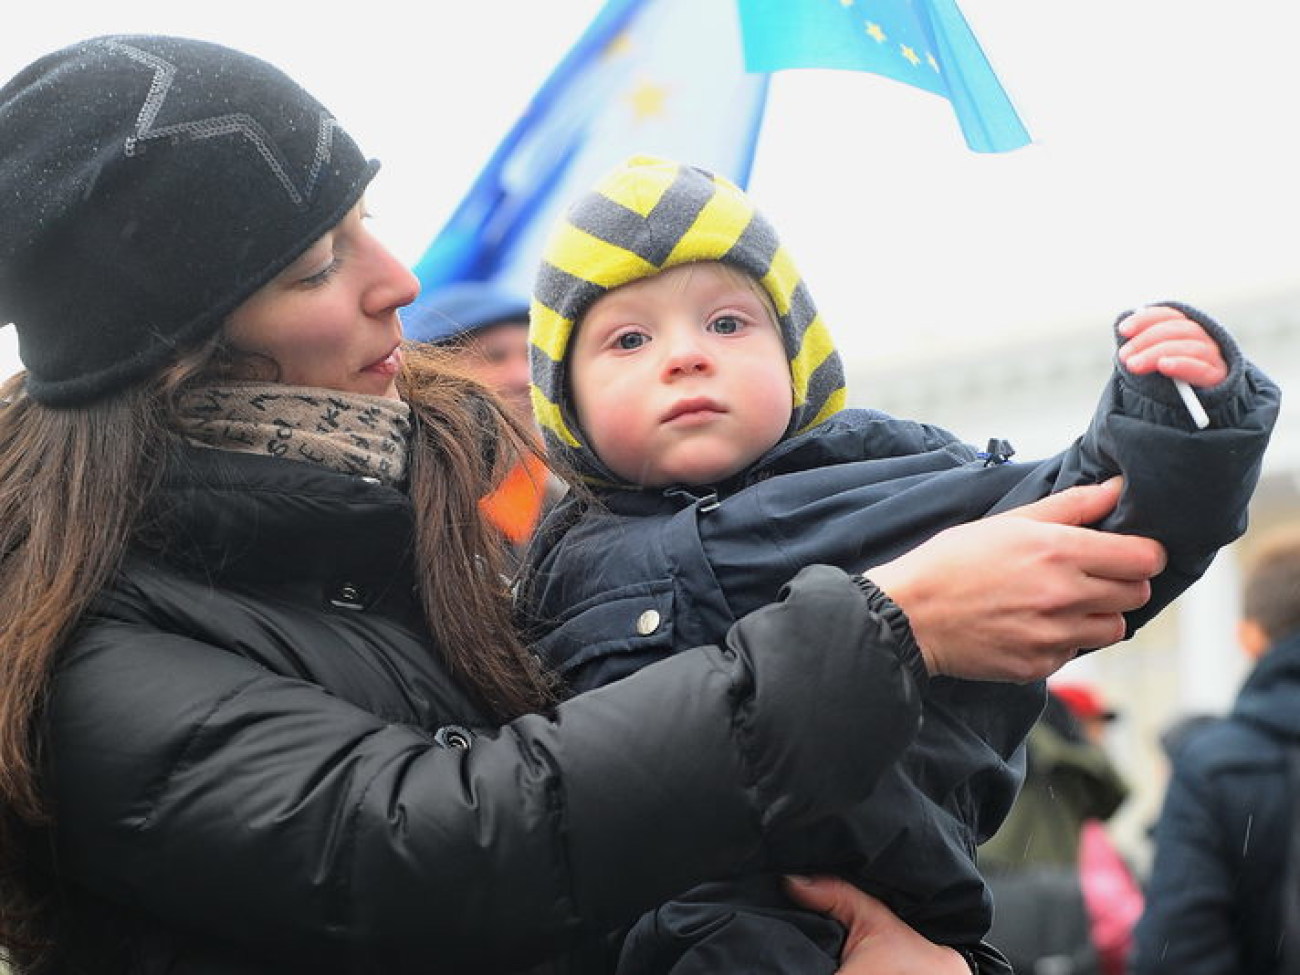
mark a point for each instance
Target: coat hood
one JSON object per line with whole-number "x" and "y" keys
{"x": 1269, "y": 696}
{"x": 645, "y": 217}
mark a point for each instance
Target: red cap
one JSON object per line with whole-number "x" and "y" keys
{"x": 1084, "y": 702}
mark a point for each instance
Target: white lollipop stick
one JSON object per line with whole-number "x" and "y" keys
{"x": 1194, "y": 407}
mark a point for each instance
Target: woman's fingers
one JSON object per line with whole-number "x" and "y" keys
{"x": 1015, "y": 596}
{"x": 1083, "y": 505}
{"x": 876, "y": 941}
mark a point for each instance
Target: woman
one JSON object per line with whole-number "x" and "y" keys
{"x": 261, "y": 708}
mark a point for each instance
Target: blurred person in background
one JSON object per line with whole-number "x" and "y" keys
{"x": 1111, "y": 891}
{"x": 483, "y": 328}
{"x": 1064, "y": 901}
{"x": 1222, "y": 895}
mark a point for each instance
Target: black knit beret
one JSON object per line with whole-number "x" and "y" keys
{"x": 148, "y": 185}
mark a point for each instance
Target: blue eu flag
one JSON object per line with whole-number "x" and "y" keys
{"x": 687, "y": 80}
{"x": 924, "y": 43}
{"x": 657, "y": 77}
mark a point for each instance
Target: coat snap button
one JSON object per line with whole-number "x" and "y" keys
{"x": 453, "y": 736}
{"x": 348, "y": 596}
{"x": 648, "y": 622}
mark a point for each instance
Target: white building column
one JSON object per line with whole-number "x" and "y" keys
{"x": 1210, "y": 665}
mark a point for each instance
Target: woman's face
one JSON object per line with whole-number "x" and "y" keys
{"x": 329, "y": 320}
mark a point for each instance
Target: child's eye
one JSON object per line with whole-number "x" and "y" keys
{"x": 630, "y": 340}
{"x": 726, "y": 325}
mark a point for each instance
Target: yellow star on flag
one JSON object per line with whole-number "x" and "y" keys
{"x": 647, "y": 100}
{"x": 620, "y": 44}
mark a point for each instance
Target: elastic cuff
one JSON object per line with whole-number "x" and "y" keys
{"x": 909, "y": 652}
{"x": 1156, "y": 387}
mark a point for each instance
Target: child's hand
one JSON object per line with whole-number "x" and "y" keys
{"x": 1168, "y": 342}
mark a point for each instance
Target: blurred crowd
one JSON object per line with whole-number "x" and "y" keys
{"x": 1222, "y": 893}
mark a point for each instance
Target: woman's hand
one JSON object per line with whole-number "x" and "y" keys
{"x": 1015, "y": 597}
{"x": 877, "y": 943}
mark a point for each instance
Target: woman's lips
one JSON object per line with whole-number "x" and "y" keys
{"x": 388, "y": 365}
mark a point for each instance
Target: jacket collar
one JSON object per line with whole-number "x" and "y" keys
{"x": 1269, "y": 694}
{"x": 251, "y": 517}
{"x": 846, "y": 437}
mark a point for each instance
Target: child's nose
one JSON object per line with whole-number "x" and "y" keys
{"x": 688, "y": 358}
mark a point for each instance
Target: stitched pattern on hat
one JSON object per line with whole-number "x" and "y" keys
{"x": 237, "y": 123}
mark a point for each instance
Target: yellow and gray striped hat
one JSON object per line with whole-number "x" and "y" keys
{"x": 646, "y": 216}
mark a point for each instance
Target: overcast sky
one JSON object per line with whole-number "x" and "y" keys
{"x": 1164, "y": 165}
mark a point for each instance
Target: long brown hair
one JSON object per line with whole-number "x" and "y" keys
{"x": 64, "y": 469}
{"x": 465, "y": 440}
{"x": 60, "y": 471}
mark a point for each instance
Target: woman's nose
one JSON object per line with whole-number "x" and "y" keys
{"x": 394, "y": 285}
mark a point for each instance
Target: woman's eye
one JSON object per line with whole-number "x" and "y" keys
{"x": 726, "y": 325}
{"x": 630, "y": 340}
{"x": 323, "y": 275}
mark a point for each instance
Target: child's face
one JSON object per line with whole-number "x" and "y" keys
{"x": 681, "y": 378}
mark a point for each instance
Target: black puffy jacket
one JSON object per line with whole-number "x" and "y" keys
{"x": 258, "y": 764}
